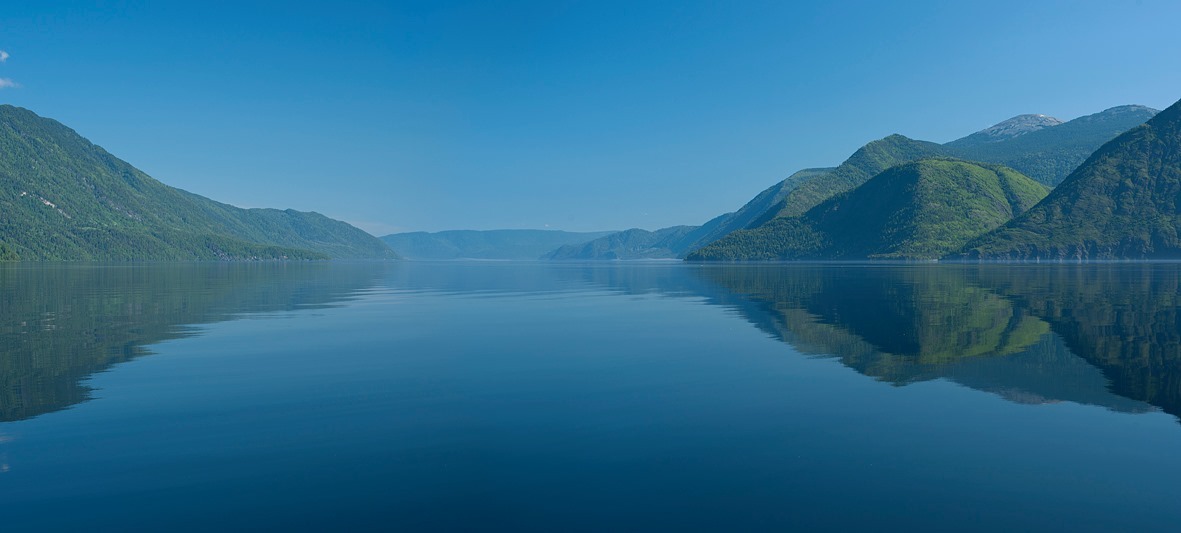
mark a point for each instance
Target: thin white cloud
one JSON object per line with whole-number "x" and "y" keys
{"x": 5, "y": 82}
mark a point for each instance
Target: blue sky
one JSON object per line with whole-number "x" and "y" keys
{"x": 563, "y": 114}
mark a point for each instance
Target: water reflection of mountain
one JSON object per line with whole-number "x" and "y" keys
{"x": 61, "y": 323}
{"x": 1122, "y": 318}
{"x": 1101, "y": 335}
{"x": 989, "y": 328}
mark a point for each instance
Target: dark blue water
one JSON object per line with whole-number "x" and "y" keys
{"x": 530, "y": 396}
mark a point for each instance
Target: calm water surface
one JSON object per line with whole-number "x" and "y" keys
{"x": 531, "y": 396}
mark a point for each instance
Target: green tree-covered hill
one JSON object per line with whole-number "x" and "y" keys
{"x": 791, "y": 197}
{"x": 919, "y": 210}
{"x": 867, "y": 162}
{"x": 1042, "y": 147}
{"x": 1124, "y": 202}
{"x": 64, "y": 198}
{"x": 764, "y": 237}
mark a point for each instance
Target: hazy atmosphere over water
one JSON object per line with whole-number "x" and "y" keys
{"x": 567, "y": 115}
{"x": 912, "y": 266}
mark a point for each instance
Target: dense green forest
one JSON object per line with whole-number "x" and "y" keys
{"x": 920, "y": 210}
{"x": 1124, "y": 202}
{"x": 865, "y": 163}
{"x": 1043, "y": 148}
{"x": 900, "y": 221}
{"x": 64, "y": 198}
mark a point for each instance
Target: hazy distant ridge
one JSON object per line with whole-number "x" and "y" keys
{"x": 1046, "y": 148}
{"x": 511, "y": 244}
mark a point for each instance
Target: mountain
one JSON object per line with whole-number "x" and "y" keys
{"x": 631, "y": 245}
{"x": 1014, "y": 127}
{"x": 1045, "y": 148}
{"x": 666, "y": 243}
{"x": 64, "y": 198}
{"x": 1042, "y": 147}
{"x": 754, "y": 210}
{"x": 818, "y": 185}
{"x": 1124, "y": 202}
{"x": 920, "y": 210}
{"x": 494, "y": 244}
{"x": 865, "y": 163}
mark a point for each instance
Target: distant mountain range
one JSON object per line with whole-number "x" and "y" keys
{"x": 64, "y": 198}
{"x": 1008, "y": 129}
{"x": 920, "y": 210}
{"x": 631, "y": 244}
{"x": 1044, "y": 148}
{"x": 1123, "y": 203}
{"x": 886, "y": 225}
{"x": 493, "y": 244}
{"x": 1051, "y": 152}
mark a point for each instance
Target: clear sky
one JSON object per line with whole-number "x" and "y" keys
{"x": 577, "y": 115}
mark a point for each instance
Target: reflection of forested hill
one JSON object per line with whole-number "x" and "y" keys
{"x": 1017, "y": 331}
{"x": 1122, "y": 318}
{"x": 903, "y": 324}
{"x": 62, "y": 323}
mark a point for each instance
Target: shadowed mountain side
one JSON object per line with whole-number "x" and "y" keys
{"x": 904, "y": 325}
{"x": 756, "y": 210}
{"x": 1041, "y": 146}
{"x": 60, "y": 324}
{"x": 64, "y": 198}
{"x": 1124, "y": 202}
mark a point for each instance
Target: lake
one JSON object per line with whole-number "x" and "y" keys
{"x": 590, "y": 397}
